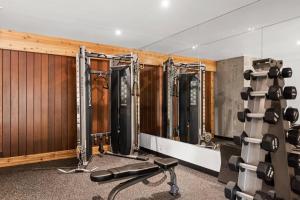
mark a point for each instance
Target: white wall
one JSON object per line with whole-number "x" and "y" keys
{"x": 294, "y": 81}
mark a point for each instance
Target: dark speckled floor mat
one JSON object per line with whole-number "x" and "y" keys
{"x": 43, "y": 181}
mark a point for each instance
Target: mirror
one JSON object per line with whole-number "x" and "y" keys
{"x": 232, "y": 40}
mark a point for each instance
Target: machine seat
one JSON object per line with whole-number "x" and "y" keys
{"x": 103, "y": 175}
{"x": 124, "y": 171}
{"x": 138, "y": 173}
{"x": 130, "y": 170}
{"x": 166, "y": 163}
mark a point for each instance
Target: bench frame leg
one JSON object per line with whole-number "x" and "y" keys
{"x": 129, "y": 183}
{"x": 174, "y": 191}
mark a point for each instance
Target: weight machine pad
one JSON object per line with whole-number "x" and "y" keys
{"x": 133, "y": 170}
{"x": 166, "y": 163}
{"x": 124, "y": 171}
{"x": 103, "y": 175}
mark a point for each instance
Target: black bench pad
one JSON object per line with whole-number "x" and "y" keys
{"x": 166, "y": 163}
{"x": 103, "y": 175}
{"x": 133, "y": 170}
{"x": 124, "y": 171}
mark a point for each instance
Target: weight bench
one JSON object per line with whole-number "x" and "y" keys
{"x": 136, "y": 173}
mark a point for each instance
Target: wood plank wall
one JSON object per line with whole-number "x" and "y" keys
{"x": 151, "y": 98}
{"x": 37, "y": 92}
{"x": 38, "y": 108}
{"x": 100, "y": 105}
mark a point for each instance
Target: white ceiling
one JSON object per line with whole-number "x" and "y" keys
{"x": 229, "y": 36}
{"x": 222, "y": 31}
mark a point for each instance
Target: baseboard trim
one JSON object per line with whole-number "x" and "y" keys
{"x": 36, "y": 158}
{"x": 41, "y": 157}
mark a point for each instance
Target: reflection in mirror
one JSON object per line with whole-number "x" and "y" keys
{"x": 228, "y": 43}
{"x": 182, "y": 116}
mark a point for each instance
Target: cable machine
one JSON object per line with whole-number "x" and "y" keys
{"x": 125, "y": 106}
{"x": 183, "y": 92}
{"x": 122, "y": 81}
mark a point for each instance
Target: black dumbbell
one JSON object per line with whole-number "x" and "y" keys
{"x": 289, "y": 92}
{"x": 295, "y": 126}
{"x": 274, "y": 72}
{"x": 297, "y": 172}
{"x": 270, "y": 116}
{"x": 295, "y": 184}
{"x": 286, "y": 72}
{"x": 269, "y": 142}
{"x": 274, "y": 93}
{"x": 294, "y": 160}
{"x": 264, "y": 170}
{"x": 293, "y": 136}
{"x": 291, "y": 114}
{"x": 233, "y": 192}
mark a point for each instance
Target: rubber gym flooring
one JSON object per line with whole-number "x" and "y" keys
{"x": 43, "y": 181}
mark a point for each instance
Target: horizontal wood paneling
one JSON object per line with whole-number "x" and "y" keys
{"x": 66, "y": 47}
{"x": 28, "y": 159}
{"x": 42, "y": 157}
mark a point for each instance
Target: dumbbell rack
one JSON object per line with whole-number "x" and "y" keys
{"x": 283, "y": 173}
{"x": 256, "y": 128}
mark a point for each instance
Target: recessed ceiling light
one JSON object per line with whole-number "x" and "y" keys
{"x": 165, "y": 3}
{"x": 118, "y": 32}
{"x": 195, "y": 46}
{"x": 251, "y": 29}
{"x": 298, "y": 42}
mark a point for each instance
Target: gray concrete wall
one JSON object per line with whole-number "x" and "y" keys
{"x": 229, "y": 82}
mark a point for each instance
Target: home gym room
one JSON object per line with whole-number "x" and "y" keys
{"x": 149, "y": 99}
